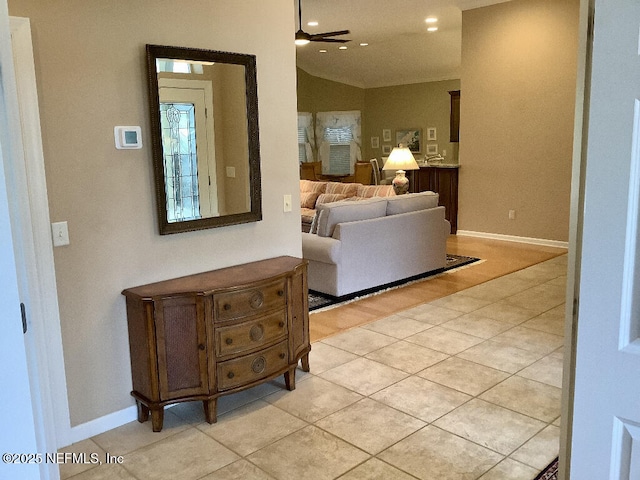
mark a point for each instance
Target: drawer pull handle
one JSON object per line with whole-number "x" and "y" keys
{"x": 258, "y": 365}
{"x": 201, "y": 347}
{"x": 281, "y": 293}
{"x": 228, "y": 341}
{"x": 227, "y": 306}
{"x": 281, "y": 324}
{"x": 282, "y": 355}
{"x": 256, "y": 333}
{"x": 257, "y": 299}
{"x": 230, "y": 375}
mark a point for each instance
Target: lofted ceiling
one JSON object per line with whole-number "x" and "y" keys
{"x": 400, "y": 50}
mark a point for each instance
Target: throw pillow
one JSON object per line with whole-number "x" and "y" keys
{"x": 308, "y": 199}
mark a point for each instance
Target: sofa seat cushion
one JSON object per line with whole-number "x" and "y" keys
{"x": 321, "y": 249}
{"x": 330, "y": 198}
{"x": 331, "y": 214}
{"x": 307, "y": 215}
{"x": 368, "y": 191}
{"x": 412, "y": 202}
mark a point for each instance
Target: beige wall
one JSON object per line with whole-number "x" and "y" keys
{"x": 319, "y": 95}
{"x": 420, "y": 105}
{"x": 517, "y": 109}
{"x": 90, "y": 67}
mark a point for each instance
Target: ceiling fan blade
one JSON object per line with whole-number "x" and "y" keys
{"x": 330, "y": 34}
{"x": 329, "y": 40}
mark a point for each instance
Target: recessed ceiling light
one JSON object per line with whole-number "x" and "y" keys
{"x": 364, "y": 44}
{"x": 432, "y": 29}
{"x": 322, "y": 50}
{"x": 431, "y": 20}
{"x": 342, "y": 47}
{"x": 313, "y": 24}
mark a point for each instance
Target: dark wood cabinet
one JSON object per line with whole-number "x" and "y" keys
{"x": 444, "y": 181}
{"x": 210, "y": 334}
{"x": 454, "y": 116}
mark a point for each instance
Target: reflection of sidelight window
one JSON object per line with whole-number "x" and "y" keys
{"x": 189, "y": 156}
{"x": 180, "y": 160}
{"x": 339, "y": 149}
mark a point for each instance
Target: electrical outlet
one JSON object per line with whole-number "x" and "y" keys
{"x": 231, "y": 172}
{"x": 287, "y": 203}
{"x": 512, "y": 214}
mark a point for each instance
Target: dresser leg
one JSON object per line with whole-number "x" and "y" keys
{"x": 210, "y": 410}
{"x": 143, "y": 411}
{"x": 157, "y": 418}
{"x": 305, "y": 362}
{"x": 290, "y": 378}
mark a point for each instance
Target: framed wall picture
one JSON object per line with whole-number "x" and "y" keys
{"x": 411, "y": 138}
{"x": 386, "y": 149}
{"x": 375, "y": 142}
{"x": 432, "y": 149}
{"x": 386, "y": 135}
{"x": 431, "y": 134}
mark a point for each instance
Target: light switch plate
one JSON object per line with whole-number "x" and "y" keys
{"x": 60, "y": 234}
{"x": 287, "y": 203}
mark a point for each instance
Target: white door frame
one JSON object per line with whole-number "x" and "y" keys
{"x": 31, "y": 221}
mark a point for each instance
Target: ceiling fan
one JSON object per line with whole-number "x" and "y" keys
{"x": 302, "y": 37}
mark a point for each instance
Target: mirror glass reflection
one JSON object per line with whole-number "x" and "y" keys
{"x": 206, "y": 151}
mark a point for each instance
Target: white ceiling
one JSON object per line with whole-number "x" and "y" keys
{"x": 400, "y": 49}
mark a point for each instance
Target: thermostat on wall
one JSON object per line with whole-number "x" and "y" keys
{"x": 128, "y": 137}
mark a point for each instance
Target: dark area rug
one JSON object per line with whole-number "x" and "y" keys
{"x": 549, "y": 473}
{"x": 321, "y": 300}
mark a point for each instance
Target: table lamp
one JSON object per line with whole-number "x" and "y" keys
{"x": 400, "y": 160}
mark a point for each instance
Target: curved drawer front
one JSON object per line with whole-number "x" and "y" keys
{"x": 250, "y": 368}
{"x": 252, "y": 334}
{"x": 249, "y": 301}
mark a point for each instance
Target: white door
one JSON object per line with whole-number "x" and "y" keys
{"x": 606, "y": 420}
{"x": 16, "y": 416}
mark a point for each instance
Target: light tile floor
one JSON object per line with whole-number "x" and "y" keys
{"x": 466, "y": 387}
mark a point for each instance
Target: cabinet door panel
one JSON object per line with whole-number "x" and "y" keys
{"x": 181, "y": 343}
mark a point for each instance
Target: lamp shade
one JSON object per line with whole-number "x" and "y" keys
{"x": 401, "y": 158}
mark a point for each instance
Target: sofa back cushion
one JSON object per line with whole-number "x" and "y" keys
{"x": 411, "y": 202}
{"x": 368, "y": 191}
{"x": 312, "y": 186}
{"x": 331, "y": 214}
{"x": 347, "y": 189}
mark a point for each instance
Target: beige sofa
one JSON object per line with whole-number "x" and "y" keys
{"x": 314, "y": 193}
{"x": 356, "y": 246}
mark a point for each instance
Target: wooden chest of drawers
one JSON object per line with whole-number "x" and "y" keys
{"x": 202, "y": 336}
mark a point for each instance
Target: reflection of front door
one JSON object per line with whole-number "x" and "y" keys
{"x": 189, "y": 156}
{"x": 606, "y": 419}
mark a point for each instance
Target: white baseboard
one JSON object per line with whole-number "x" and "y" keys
{"x": 103, "y": 424}
{"x": 512, "y": 238}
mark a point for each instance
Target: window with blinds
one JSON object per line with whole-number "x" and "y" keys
{"x": 339, "y": 139}
{"x": 302, "y": 141}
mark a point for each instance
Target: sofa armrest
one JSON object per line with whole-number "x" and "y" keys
{"x": 321, "y": 249}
